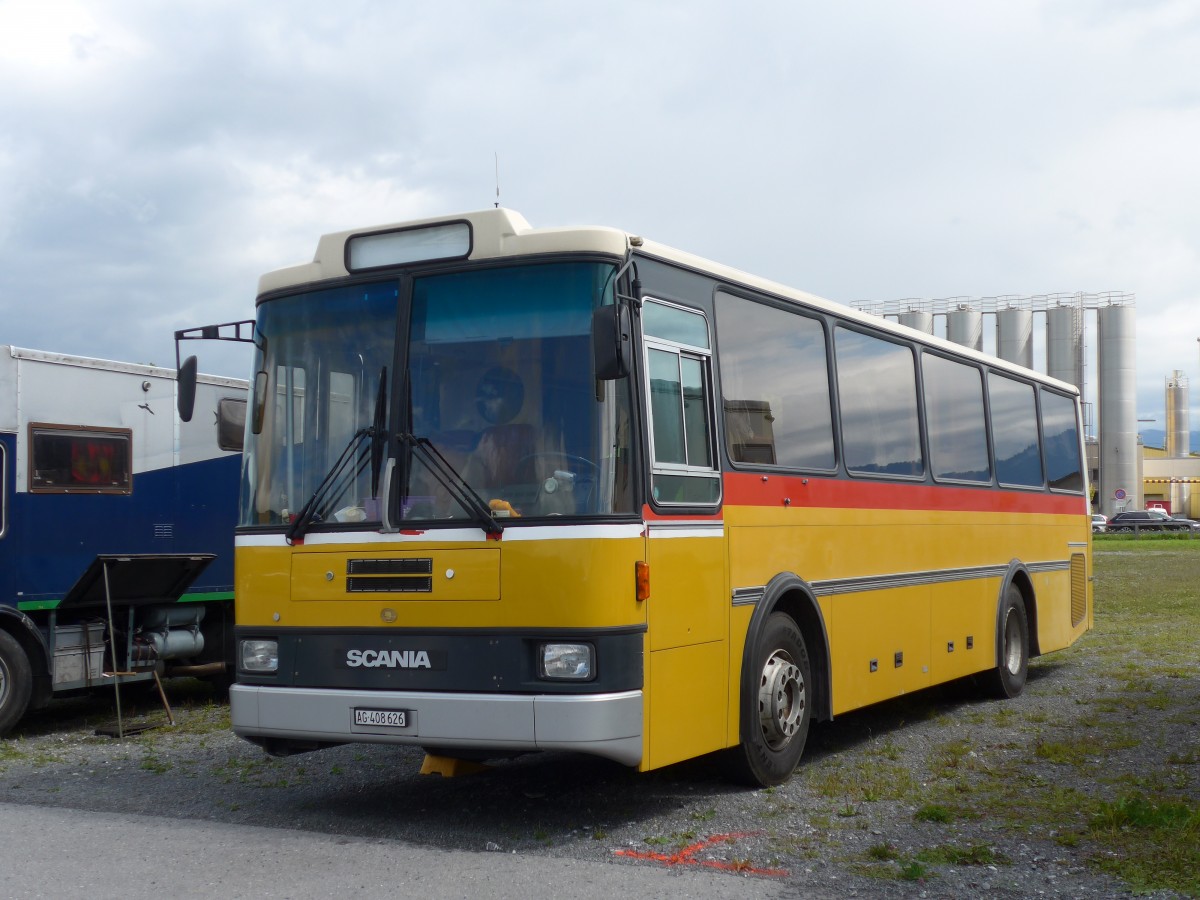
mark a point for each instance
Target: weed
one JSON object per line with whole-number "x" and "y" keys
{"x": 152, "y": 763}
{"x": 914, "y": 871}
{"x": 953, "y": 855}
{"x": 932, "y": 812}
{"x": 883, "y": 852}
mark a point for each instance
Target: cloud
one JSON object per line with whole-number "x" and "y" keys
{"x": 160, "y": 157}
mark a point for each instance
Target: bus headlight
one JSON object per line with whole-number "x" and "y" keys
{"x": 570, "y": 662}
{"x": 260, "y": 656}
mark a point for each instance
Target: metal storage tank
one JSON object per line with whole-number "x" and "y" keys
{"x": 1178, "y": 440}
{"x": 914, "y": 318}
{"x": 1118, "y": 411}
{"x": 964, "y": 326}
{"x": 1064, "y": 344}
{"x": 1014, "y": 336}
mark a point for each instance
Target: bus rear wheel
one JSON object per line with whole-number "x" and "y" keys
{"x": 16, "y": 682}
{"x": 776, "y": 705}
{"x": 1007, "y": 680}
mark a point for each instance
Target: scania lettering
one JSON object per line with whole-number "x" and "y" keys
{"x": 631, "y": 502}
{"x": 392, "y": 659}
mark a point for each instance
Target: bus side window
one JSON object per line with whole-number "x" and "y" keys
{"x": 678, "y": 366}
{"x": 877, "y": 392}
{"x": 1064, "y": 469}
{"x": 1015, "y": 432}
{"x": 774, "y": 375}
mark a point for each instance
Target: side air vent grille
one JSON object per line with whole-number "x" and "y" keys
{"x": 1078, "y": 588}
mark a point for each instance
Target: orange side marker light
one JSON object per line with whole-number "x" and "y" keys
{"x": 642, "y": 576}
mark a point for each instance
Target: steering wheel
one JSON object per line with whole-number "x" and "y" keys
{"x": 576, "y": 465}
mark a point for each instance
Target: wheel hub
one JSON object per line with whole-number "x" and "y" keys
{"x": 781, "y": 699}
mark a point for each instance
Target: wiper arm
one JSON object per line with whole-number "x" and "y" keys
{"x": 454, "y": 483}
{"x": 303, "y": 518}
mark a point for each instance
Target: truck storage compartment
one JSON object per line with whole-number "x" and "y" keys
{"x": 78, "y": 653}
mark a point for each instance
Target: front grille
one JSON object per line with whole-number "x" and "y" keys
{"x": 393, "y": 576}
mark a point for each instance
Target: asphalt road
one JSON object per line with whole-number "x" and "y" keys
{"x": 54, "y": 853}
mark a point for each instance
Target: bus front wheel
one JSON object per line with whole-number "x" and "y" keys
{"x": 16, "y": 682}
{"x": 1007, "y": 680}
{"x": 776, "y": 705}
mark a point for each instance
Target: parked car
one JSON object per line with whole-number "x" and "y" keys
{"x": 1150, "y": 520}
{"x": 1099, "y": 523}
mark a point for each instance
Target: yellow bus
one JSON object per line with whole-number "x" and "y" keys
{"x": 509, "y": 489}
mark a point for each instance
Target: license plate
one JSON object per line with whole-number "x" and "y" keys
{"x": 382, "y": 718}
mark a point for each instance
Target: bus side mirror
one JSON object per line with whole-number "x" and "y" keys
{"x": 186, "y": 381}
{"x": 612, "y": 345}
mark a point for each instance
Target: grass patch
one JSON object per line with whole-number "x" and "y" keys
{"x": 953, "y": 855}
{"x": 1155, "y": 842}
{"x": 933, "y": 812}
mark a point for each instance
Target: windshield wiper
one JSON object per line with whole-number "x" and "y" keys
{"x": 307, "y": 512}
{"x": 454, "y": 483}
{"x": 378, "y": 435}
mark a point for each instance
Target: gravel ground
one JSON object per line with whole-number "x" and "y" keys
{"x": 843, "y": 825}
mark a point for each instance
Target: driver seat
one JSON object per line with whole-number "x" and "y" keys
{"x": 505, "y": 454}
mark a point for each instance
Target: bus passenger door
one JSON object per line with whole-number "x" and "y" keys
{"x": 688, "y": 660}
{"x": 687, "y": 610}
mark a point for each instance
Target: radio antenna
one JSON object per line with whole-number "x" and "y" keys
{"x": 497, "y": 180}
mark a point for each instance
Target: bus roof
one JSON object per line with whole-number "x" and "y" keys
{"x": 500, "y": 233}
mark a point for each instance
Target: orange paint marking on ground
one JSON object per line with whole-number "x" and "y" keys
{"x": 686, "y": 856}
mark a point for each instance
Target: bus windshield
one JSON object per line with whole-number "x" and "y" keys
{"x": 495, "y": 378}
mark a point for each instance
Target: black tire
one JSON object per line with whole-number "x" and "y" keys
{"x": 776, "y": 705}
{"x": 1007, "y": 680}
{"x": 16, "y": 682}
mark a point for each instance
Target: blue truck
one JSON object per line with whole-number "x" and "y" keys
{"x": 116, "y": 526}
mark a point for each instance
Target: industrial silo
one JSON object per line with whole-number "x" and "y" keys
{"x": 1064, "y": 344}
{"x": 1014, "y": 336}
{"x": 1179, "y": 440}
{"x": 915, "y": 318}
{"x": 1120, "y": 486}
{"x": 964, "y": 326}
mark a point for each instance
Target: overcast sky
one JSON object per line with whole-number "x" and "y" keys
{"x": 155, "y": 157}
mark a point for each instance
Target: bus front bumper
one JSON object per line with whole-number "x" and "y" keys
{"x": 607, "y": 725}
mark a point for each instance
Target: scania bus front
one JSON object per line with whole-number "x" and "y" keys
{"x": 439, "y": 528}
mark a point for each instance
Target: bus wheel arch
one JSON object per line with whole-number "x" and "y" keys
{"x": 784, "y": 682}
{"x": 1016, "y": 641}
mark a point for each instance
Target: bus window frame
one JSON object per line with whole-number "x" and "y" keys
{"x": 705, "y": 356}
{"x": 1081, "y": 459}
{"x": 922, "y": 443}
{"x": 1043, "y": 486}
{"x": 989, "y": 450}
{"x": 823, "y": 322}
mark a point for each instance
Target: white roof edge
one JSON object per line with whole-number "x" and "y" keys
{"x": 110, "y": 365}
{"x": 501, "y": 232}
{"x": 496, "y": 234}
{"x": 764, "y": 285}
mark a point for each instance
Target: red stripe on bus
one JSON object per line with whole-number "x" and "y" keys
{"x": 748, "y": 489}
